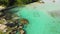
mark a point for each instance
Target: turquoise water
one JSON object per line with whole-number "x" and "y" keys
{"x": 39, "y": 20}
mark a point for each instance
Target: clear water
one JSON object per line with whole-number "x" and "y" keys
{"x": 40, "y": 22}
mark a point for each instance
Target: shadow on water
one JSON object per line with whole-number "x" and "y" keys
{"x": 8, "y": 10}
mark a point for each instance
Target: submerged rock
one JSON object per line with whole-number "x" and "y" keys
{"x": 24, "y": 21}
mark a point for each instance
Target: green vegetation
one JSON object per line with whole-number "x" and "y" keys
{"x": 1, "y": 32}
{"x": 4, "y": 2}
{"x": 16, "y": 2}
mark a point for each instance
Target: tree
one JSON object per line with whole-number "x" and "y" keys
{"x": 3, "y": 2}
{"x": 16, "y": 2}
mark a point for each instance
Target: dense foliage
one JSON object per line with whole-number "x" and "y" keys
{"x": 16, "y": 2}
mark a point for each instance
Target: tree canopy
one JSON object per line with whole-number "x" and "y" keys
{"x": 16, "y": 2}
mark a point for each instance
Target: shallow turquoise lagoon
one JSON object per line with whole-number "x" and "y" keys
{"x": 40, "y": 21}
